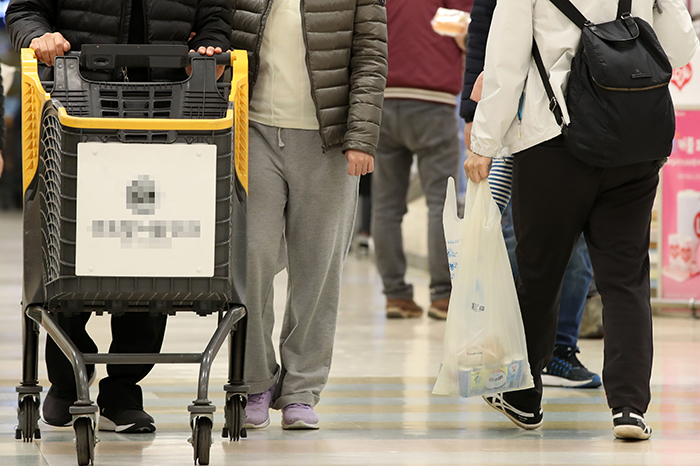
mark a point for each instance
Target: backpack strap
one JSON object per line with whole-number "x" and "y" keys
{"x": 571, "y": 12}
{"x": 553, "y": 103}
{"x": 575, "y": 16}
{"x": 624, "y": 8}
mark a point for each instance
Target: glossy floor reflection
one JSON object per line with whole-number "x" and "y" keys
{"x": 377, "y": 408}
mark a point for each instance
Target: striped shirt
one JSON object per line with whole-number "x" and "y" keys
{"x": 500, "y": 180}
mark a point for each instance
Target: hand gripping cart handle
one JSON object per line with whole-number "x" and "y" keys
{"x": 134, "y": 201}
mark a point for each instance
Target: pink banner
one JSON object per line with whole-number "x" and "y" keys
{"x": 681, "y": 211}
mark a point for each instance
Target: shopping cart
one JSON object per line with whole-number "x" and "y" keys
{"x": 135, "y": 201}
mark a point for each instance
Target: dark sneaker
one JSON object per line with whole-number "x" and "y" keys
{"x": 56, "y": 410}
{"x": 629, "y": 424}
{"x": 521, "y": 418}
{"x": 565, "y": 370}
{"x": 126, "y": 421}
{"x": 402, "y": 309}
{"x": 438, "y": 309}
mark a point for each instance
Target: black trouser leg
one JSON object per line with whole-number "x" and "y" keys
{"x": 135, "y": 332}
{"x": 552, "y": 193}
{"x": 555, "y": 197}
{"x": 618, "y": 240}
{"x": 59, "y": 369}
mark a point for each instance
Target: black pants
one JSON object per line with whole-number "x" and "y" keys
{"x": 365, "y": 193}
{"x": 555, "y": 198}
{"x": 135, "y": 332}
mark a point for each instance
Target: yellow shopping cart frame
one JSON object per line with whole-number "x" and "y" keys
{"x": 34, "y": 97}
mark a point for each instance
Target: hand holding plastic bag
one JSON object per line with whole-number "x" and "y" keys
{"x": 484, "y": 348}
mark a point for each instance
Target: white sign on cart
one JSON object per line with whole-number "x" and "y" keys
{"x": 145, "y": 210}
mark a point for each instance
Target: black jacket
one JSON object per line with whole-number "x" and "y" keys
{"x": 107, "y": 21}
{"x": 481, "y": 15}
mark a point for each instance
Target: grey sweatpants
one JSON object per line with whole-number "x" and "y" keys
{"x": 430, "y": 131}
{"x": 305, "y": 197}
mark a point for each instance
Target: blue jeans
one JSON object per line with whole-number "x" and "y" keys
{"x": 577, "y": 279}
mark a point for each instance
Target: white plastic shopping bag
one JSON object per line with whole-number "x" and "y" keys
{"x": 484, "y": 350}
{"x": 452, "y": 225}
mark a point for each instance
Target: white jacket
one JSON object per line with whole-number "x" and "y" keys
{"x": 509, "y": 68}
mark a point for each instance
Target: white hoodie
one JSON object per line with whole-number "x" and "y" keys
{"x": 509, "y": 68}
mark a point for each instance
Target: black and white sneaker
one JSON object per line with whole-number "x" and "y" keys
{"x": 126, "y": 421}
{"x": 523, "y": 419}
{"x": 630, "y": 425}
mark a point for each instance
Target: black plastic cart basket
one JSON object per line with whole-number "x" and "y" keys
{"x": 110, "y": 226}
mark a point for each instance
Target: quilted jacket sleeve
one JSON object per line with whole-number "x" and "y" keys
{"x": 481, "y": 15}
{"x": 212, "y": 24}
{"x": 368, "y": 68}
{"x": 28, "y": 19}
{"x": 247, "y": 18}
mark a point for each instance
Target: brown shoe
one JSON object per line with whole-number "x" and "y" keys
{"x": 592, "y": 320}
{"x": 402, "y": 309}
{"x": 438, "y": 309}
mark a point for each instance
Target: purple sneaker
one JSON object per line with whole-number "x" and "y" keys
{"x": 257, "y": 411}
{"x": 298, "y": 417}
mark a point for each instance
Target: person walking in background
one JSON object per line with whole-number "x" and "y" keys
{"x": 610, "y": 204}
{"x": 425, "y": 74}
{"x": 363, "y": 239}
{"x": 51, "y": 28}
{"x": 564, "y": 368}
{"x": 317, "y": 76}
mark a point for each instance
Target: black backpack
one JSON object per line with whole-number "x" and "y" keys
{"x": 618, "y": 99}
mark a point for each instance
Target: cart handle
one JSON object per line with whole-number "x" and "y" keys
{"x": 111, "y": 56}
{"x": 34, "y": 97}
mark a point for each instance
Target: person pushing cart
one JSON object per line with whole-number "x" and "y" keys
{"x": 147, "y": 101}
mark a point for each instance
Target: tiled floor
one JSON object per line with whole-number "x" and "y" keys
{"x": 377, "y": 408}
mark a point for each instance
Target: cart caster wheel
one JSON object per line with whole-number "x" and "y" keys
{"x": 234, "y": 414}
{"x": 224, "y": 432}
{"x": 201, "y": 440}
{"x": 84, "y": 440}
{"x": 28, "y": 419}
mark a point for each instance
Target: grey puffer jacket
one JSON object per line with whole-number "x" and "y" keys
{"x": 347, "y": 61}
